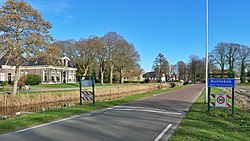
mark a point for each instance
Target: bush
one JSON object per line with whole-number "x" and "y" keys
{"x": 4, "y": 83}
{"x": 32, "y": 79}
{"x": 185, "y": 83}
{"x": 21, "y": 81}
{"x": 172, "y": 85}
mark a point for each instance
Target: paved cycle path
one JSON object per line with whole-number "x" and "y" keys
{"x": 150, "y": 119}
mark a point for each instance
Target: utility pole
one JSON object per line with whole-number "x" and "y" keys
{"x": 206, "y": 95}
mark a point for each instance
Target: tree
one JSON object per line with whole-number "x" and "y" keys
{"x": 218, "y": 56}
{"x": 161, "y": 65}
{"x": 231, "y": 55}
{"x": 111, "y": 42}
{"x": 126, "y": 59}
{"x": 181, "y": 67}
{"x": 67, "y": 47}
{"x": 193, "y": 65}
{"x": 24, "y": 34}
{"x": 84, "y": 54}
{"x": 244, "y": 58}
{"x": 201, "y": 69}
{"x": 101, "y": 59}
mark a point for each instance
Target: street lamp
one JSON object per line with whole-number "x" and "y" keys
{"x": 206, "y": 95}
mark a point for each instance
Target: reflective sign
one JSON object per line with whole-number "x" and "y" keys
{"x": 221, "y": 82}
{"x": 86, "y": 82}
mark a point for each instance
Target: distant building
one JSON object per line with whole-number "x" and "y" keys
{"x": 152, "y": 76}
{"x": 133, "y": 75}
{"x": 64, "y": 72}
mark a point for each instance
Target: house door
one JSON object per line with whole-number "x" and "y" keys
{"x": 9, "y": 78}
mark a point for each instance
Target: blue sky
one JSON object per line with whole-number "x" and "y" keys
{"x": 175, "y": 28}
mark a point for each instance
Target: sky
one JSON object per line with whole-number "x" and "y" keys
{"x": 175, "y": 28}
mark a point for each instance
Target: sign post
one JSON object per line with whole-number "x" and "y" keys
{"x": 87, "y": 95}
{"x": 221, "y": 99}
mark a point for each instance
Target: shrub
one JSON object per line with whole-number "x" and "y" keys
{"x": 185, "y": 83}
{"x": 4, "y": 83}
{"x": 172, "y": 85}
{"x": 146, "y": 80}
{"x": 32, "y": 79}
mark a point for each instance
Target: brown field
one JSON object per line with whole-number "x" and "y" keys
{"x": 101, "y": 94}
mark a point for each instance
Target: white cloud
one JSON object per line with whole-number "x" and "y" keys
{"x": 69, "y": 19}
{"x": 55, "y": 7}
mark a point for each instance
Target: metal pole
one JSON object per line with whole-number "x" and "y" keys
{"x": 206, "y": 95}
{"x": 80, "y": 83}
{"x": 208, "y": 103}
{"x": 233, "y": 96}
{"x": 232, "y": 100}
{"x": 93, "y": 89}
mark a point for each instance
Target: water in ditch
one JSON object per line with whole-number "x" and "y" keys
{"x": 8, "y": 112}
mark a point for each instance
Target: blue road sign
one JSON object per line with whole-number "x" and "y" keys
{"x": 86, "y": 82}
{"x": 221, "y": 82}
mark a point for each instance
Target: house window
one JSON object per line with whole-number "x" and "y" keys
{"x": 53, "y": 75}
{"x": 74, "y": 76}
{"x": 2, "y": 77}
{"x": 44, "y": 75}
{"x": 70, "y": 76}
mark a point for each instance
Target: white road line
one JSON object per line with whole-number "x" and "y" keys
{"x": 163, "y": 132}
{"x": 144, "y": 109}
{"x": 134, "y": 107}
{"x": 45, "y": 124}
{"x": 151, "y": 111}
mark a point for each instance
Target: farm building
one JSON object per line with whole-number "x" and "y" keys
{"x": 64, "y": 72}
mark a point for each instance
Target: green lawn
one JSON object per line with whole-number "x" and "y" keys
{"x": 64, "y": 85}
{"x": 220, "y": 124}
{"x": 46, "y": 116}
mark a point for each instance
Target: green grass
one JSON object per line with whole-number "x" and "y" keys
{"x": 47, "y": 116}
{"x": 219, "y": 124}
{"x": 64, "y": 85}
{"x": 246, "y": 84}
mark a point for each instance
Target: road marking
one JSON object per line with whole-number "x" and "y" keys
{"x": 163, "y": 132}
{"x": 151, "y": 111}
{"x": 143, "y": 109}
{"x": 45, "y": 124}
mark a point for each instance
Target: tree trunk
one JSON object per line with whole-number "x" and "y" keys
{"x": 16, "y": 77}
{"x": 85, "y": 72}
{"x": 222, "y": 70}
{"x": 121, "y": 76}
{"x": 243, "y": 73}
{"x": 111, "y": 74}
{"x": 102, "y": 74}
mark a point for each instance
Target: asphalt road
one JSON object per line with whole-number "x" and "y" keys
{"x": 150, "y": 119}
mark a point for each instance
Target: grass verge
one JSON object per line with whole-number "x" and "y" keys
{"x": 47, "y": 116}
{"x": 220, "y": 124}
{"x": 64, "y": 85}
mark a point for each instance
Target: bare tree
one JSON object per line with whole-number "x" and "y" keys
{"x": 101, "y": 58}
{"x": 126, "y": 59}
{"x": 23, "y": 34}
{"x": 244, "y": 58}
{"x": 85, "y": 53}
{"x": 161, "y": 65}
{"x": 231, "y": 55}
{"x": 67, "y": 47}
{"x": 181, "y": 67}
{"x": 218, "y": 56}
{"x": 111, "y": 42}
{"x": 193, "y": 65}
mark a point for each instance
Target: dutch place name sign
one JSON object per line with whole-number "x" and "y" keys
{"x": 221, "y": 82}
